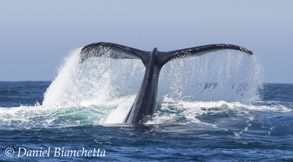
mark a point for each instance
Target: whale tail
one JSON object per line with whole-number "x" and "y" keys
{"x": 116, "y": 51}
{"x": 145, "y": 102}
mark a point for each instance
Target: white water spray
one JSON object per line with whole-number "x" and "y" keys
{"x": 113, "y": 83}
{"x": 225, "y": 75}
{"x": 102, "y": 90}
{"x": 98, "y": 81}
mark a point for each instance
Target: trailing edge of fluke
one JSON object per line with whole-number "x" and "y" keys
{"x": 145, "y": 102}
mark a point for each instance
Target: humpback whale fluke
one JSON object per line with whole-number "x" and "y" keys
{"x": 145, "y": 102}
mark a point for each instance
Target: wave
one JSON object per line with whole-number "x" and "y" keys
{"x": 215, "y": 114}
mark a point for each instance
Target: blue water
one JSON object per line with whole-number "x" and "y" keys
{"x": 218, "y": 131}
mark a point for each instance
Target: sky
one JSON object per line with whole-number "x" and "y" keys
{"x": 36, "y": 36}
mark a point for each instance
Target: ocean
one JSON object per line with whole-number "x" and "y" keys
{"x": 219, "y": 111}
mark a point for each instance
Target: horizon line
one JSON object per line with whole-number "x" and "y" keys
{"x": 53, "y": 80}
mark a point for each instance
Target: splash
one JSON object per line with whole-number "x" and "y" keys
{"x": 110, "y": 83}
{"x": 113, "y": 83}
{"x": 102, "y": 90}
{"x": 226, "y": 75}
{"x": 98, "y": 81}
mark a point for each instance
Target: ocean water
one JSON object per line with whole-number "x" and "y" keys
{"x": 210, "y": 108}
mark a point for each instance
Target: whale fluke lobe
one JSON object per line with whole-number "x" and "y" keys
{"x": 145, "y": 102}
{"x": 200, "y": 50}
{"x": 111, "y": 50}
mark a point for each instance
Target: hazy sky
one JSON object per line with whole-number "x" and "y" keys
{"x": 35, "y": 36}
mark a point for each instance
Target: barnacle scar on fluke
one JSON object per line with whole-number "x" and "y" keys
{"x": 145, "y": 102}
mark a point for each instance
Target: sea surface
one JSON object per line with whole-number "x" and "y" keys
{"x": 218, "y": 111}
{"x": 262, "y": 131}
